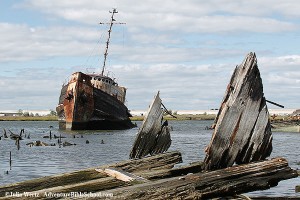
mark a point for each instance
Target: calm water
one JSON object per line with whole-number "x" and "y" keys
{"x": 189, "y": 137}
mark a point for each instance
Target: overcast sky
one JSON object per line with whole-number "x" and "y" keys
{"x": 187, "y": 49}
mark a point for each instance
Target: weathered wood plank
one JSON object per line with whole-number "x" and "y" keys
{"x": 153, "y": 136}
{"x": 223, "y": 182}
{"x": 242, "y": 128}
{"x": 106, "y": 183}
{"x": 166, "y": 161}
{"x": 163, "y": 141}
{"x": 121, "y": 175}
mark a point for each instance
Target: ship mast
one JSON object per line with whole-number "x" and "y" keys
{"x": 108, "y": 39}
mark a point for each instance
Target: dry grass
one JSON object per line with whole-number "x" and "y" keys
{"x": 22, "y": 118}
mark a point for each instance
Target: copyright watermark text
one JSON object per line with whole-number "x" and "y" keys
{"x": 60, "y": 194}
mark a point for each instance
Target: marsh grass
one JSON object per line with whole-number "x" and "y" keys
{"x": 23, "y": 118}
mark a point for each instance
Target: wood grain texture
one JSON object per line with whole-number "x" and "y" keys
{"x": 234, "y": 180}
{"x": 242, "y": 131}
{"x": 92, "y": 180}
{"x": 153, "y": 136}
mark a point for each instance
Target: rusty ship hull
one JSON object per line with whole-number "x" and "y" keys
{"x": 85, "y": 104}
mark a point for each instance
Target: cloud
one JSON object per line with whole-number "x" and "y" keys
{"x": 182, "y": 86}
{"x": 21, "y": 42}
{"x": 184, "y": 16}
{"x": 24, "y": 43}
{"x": 185, "y": 49}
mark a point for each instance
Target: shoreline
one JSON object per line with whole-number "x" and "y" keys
{"x": 285, "y": 126}
{"x": 22, "y": 118}
{"x": 278, "y": 125}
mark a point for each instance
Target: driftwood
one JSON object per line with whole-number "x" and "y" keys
{"x": 121, "y": 175}
{"x": 90, "y": 180}
{"x": 242, "y": 128}
{"x": 153, "y": 136}
{"x": 224, "y": 182}
{"x": 162, "y": 181}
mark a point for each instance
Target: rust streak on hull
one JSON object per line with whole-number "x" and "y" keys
{"x": 87, "y": 105}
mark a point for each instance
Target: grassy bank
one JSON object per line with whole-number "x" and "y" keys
{"x": 285, "y": 125}
{"x": 22, "y": 118}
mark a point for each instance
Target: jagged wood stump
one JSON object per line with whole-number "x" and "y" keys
{"x": 153, "y": 136}
{"x": 242, "y": 131}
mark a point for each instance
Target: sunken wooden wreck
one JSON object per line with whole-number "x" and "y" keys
{"x": 93, "y": 101}
{"x": 242, "y": 131}
{"x": 153, "y": 136}
{"x": 154, "y": 177}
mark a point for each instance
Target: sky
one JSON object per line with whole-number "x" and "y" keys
{"x": 186, "y": 49}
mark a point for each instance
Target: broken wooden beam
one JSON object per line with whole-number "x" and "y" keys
{"x": 242, "y": 130}
{"x": 106, "y": 183}
{"x": 157, "y": 162}
{"x": 121, "y": 175}
{"x": 103, "y": 184}
{"x": 153, "y": 136}
{"x": 234, "y": 180}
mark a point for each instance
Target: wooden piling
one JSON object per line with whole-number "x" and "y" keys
{"x": 18, "y": 143}
{"x": 5, "y": 134}
{"x": 10, "y": 162}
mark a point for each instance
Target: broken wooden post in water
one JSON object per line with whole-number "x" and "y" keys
{"x": 14, "y": 136}
{"x": 242, "y": 131}
{"x": 18, "y": 143}
{"x": 10, "y": 161}
{"x": 153, "y": 136}
{"x": 4, "y": 134}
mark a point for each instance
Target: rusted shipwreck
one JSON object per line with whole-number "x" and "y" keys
{"x": 156, "y": 177}
{"x": 93, "y": 101}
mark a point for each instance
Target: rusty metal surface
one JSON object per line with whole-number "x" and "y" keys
{"x": 87, "y": 107}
